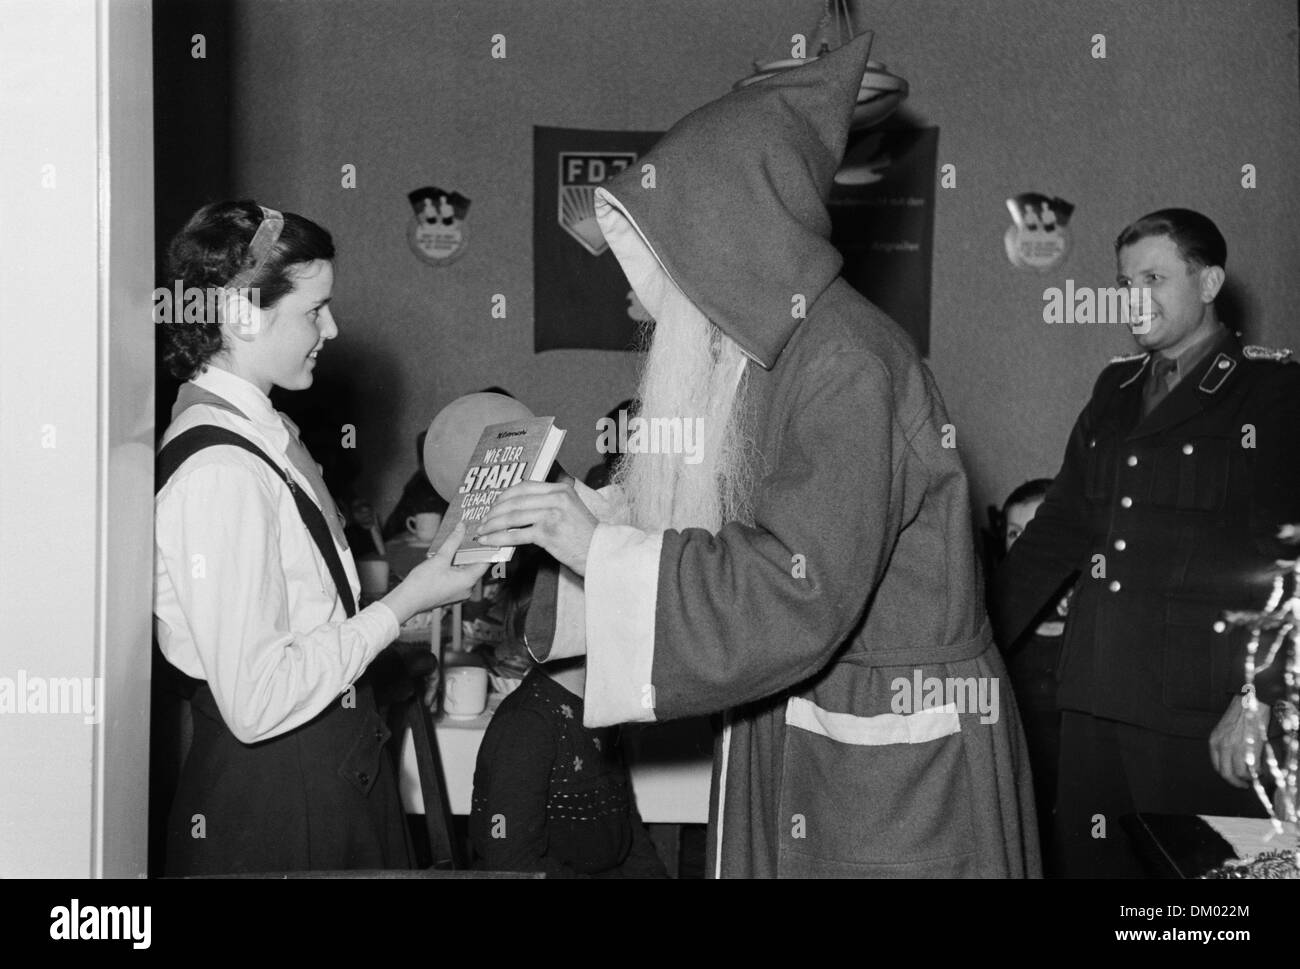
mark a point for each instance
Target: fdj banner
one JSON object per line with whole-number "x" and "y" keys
{"x": 580, "y": 173}
{"x": 581, "y": 297}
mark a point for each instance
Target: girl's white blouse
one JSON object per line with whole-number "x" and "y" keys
{"x": 242, "y": 596}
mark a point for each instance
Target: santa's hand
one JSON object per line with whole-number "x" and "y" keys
{"x": 549, "y": 515}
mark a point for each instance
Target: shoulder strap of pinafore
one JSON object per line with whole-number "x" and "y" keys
{"x": 186, "y": 444}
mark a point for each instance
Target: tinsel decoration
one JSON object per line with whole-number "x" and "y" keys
{"x": 1266, "y": 864}
{"x": 1277, "y": 626}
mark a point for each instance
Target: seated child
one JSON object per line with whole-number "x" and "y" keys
{"x": 550, "y": 794}
{"x": 1033, "y": 666}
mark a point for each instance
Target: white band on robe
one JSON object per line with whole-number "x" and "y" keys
{"x": 886, "y": 728}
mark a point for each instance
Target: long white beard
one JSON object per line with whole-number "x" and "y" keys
{"x": 692, "y": 369}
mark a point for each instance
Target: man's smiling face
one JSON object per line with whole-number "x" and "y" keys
{"x": 1181, "y": 294}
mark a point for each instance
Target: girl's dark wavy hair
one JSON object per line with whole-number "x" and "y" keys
{"x": 211, "y": 250}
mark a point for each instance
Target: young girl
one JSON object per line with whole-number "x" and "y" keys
{"x": 255, "y": 588}
{"x": 550, "y": 794}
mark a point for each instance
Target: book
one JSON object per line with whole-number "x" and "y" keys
{"x": 520, "y": 450}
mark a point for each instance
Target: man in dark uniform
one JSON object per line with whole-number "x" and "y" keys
{"x": 1176, "y": 480}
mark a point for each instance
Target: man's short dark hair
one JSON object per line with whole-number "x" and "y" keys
{"x": 1199, "y": 241}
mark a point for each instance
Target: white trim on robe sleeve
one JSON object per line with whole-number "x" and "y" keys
{"x": 622, "y": 586}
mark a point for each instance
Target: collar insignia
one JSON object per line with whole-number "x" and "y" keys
{"x": 1219, "y": 370}
{"x": 1265, "y": 353}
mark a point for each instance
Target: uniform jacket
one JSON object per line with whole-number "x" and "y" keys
{"x": 858, "y": 573}
{"x": 1168, "y": 521}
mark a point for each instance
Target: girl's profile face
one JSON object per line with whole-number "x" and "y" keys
{"x": 297, "y": 328}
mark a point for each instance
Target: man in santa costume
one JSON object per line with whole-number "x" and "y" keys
{"x": 817, "y": 563}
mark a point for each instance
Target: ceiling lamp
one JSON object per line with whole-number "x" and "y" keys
{"x": 881, "y": 92}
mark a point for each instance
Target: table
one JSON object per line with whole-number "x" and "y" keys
{"x": 1187, "y": 846}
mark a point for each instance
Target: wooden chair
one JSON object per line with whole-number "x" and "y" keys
{"x": 398, "y": 675}
{"x": 443, "y": 846}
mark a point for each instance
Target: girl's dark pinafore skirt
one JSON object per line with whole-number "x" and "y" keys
{"x": 322, "y": 797}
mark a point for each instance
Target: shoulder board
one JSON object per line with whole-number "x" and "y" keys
{"x": 1128, "y": 358}
{"x": 1265, "y": 353}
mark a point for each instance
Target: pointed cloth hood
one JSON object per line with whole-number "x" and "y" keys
{"x": 734, "y": 209}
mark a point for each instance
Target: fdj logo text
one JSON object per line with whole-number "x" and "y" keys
{"x": 580, "y": 173}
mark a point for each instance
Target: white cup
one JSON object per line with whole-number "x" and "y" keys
{"x": 424, "y": 525}
{"x": 464, "y": 691}
{"x": 374, "y": 577}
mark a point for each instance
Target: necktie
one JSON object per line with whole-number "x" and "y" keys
{"x": 302, "y": 460}
{"x": 1157, "y": 385}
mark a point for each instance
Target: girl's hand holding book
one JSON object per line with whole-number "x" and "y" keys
{"x": 435, "y": 581}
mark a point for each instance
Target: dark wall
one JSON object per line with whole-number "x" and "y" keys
{"x": 406, "y": 91}
{"x": 191, "y": 123}
{"x": 191, "y": 126}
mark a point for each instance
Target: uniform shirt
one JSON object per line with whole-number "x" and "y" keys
{"x": 1187, "y": 361}
{"x": 242, "y": 596}
{"x": 1169, "y": 371}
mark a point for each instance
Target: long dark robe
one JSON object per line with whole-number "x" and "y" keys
{"x": 857, "y": 577}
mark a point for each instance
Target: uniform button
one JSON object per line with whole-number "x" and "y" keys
{"x": 1126, "y": 502}
{"x": 1092, "y": 443}
{"x": 363, "y": 777}
{"x": 1120, "y": 544}
{"x": 1132, "y": 460}
{"x": 379, "y": 734}
{"x": 1188, "y": 449}
{"x": 1115, "y": 586}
